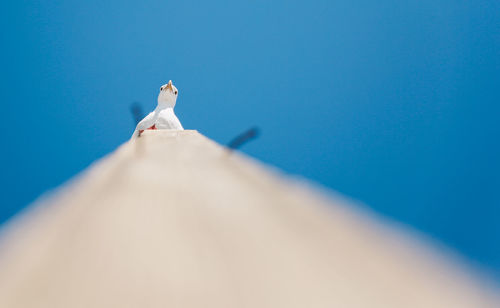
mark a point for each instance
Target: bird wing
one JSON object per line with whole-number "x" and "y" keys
{"x": 145, "y": 123}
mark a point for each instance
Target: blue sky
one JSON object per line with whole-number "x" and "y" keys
{"x": 394, "y": 103}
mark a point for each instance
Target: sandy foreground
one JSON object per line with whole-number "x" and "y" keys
{"x": 175, "y": 220}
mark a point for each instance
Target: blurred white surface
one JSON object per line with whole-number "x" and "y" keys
{"x": 174, "y": 220}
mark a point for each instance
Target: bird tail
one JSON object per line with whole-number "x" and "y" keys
{"x": 135, "y": 134}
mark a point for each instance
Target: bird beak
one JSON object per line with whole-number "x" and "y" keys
{"x": 169, "y": 85}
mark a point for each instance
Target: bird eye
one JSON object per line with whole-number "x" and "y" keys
{"x": 161, "y": 88}
{"x": 175, "y": 92}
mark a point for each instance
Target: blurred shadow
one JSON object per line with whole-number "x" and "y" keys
{"x": 136, "y": 110}
{"x": 243, "y": 138}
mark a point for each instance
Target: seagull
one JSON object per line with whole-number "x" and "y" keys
{"x": 163, "y": 117}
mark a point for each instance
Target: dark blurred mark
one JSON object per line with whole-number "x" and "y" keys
{"x": 243, "y": 138}
{"x": 136, "y": 110}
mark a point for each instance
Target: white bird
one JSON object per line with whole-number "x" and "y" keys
{"x": 163, "y": 117}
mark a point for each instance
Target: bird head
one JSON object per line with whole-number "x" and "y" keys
{"x": 168, "y": 95}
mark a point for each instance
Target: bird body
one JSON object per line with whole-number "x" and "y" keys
{"x": 163, "y": 117}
